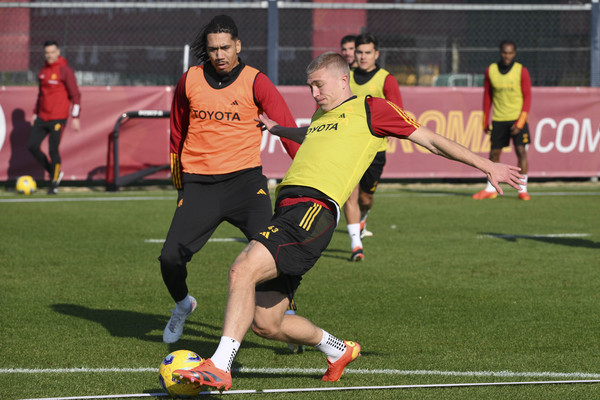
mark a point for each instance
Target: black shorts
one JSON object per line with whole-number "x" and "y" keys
{"x": 501, "y": 135}
{"x": 370, "y": 179}
{"x": 242, "y": 200}
{"x": 298, "y": 233}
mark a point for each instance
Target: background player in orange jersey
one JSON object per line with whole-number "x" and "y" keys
{"x": 507, "y": 87}
{"x": 215, "y": 155}
{"x": 338, "y": 146}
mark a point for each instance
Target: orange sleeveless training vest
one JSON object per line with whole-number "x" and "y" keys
{"x": 222, "y": 134}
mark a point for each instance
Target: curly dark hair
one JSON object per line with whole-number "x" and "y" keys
{"x": 219, "y": 24}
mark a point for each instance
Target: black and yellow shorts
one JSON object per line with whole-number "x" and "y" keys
{"x": 300, "y": 230}
{"x": 501, "y": 135}
{"x": 371, "y": 177}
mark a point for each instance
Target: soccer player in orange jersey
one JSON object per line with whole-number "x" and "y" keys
{"x": 215, "y": 155}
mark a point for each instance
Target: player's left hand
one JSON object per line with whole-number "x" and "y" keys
{"x": 264, "y": 122}
{"x": 515, "y": 130}
{"x": 499, "y": 172}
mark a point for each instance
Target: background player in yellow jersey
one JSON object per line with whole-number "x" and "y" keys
{"x": 336, "y": 149}
{"x": 368, "y": 79}
{"x": 507, "y": 87}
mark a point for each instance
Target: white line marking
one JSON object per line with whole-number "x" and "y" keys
{"x": 78, "y": 199}
{"x": 327, "y": 389}
{"x": 216, "y": 240}
{"x": 549, "y": 235}
{"x": 381, "y": 193}
{"x": 310, "y": 371}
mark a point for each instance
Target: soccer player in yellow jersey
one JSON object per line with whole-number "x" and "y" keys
{"x": 507, "y": 87}
{"x": 368, "y": 79}
{"x": 338, "y": 146}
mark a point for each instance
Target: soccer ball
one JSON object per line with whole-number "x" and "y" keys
{"x": 180, "y": 359}
{"x": 26, "y": 185}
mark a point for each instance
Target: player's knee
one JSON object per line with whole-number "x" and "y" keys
{"x": 265, "y": 330}
{"x": 171, "y": 260}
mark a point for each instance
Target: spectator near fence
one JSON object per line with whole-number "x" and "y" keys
{"x": 57, "y": 91}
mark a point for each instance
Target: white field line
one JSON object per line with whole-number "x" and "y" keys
{"x": 214, "y": 240}
{"x": 501, "y": 236}
{"x": 311, "y": 371}
{"x": 381, "y": 193}
{"x": 327, "y": 389}
{"x": 34, "y": 199}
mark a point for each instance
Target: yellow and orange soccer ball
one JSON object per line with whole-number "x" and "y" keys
{"x": 180, "y": 359}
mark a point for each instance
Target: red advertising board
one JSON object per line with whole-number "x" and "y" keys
{"x": 564, "y": 124}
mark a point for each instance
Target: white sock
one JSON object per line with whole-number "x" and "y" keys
{"x": 354, "y": 233}
{"x": 490, "y": 188}
{"x": 223, "y": 357}
{"x": 184, "y": 306}
{"x": 333, "y": 347}
{"x": 523, "y": 185}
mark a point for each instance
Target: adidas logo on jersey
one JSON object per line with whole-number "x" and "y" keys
{"x": 342, "y": 116}
{"x": 235, "y": 103}
{"x": 261, "y": 191}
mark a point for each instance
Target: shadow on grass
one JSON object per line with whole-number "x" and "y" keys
{"x": 131, "y": 324}
{"x": 559, "y": 240}
{"x": 337, "y": 253}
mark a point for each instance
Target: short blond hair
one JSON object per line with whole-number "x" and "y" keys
{"x": 331, "y": 60}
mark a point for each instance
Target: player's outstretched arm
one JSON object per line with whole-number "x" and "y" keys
{"x": 295, "y": 134}
{"x": 496, "y": 172}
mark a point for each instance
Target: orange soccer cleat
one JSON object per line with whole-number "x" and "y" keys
{"x": 357, "y": 254}
{"x": 485, "y": 195}
{"x": 205, "y": 374}
{"x": 524, "y": 196}
{"x": 336, "y": 369}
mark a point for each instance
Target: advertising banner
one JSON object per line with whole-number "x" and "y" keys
{"x": 564, "y": 124}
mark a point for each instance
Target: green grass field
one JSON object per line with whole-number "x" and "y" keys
{"x": 452, "y": 290}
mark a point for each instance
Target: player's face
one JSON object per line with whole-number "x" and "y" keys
{"x": 348, "y": 52}
{"x": 366, "y": 56}
{"x": 508, "y": 54}
{"x": 51, "y": 53}
{"x": 223, "y": 51}
{"x": 327, "y": 88}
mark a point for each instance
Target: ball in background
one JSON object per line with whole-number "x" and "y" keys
{"x": 26, "y": 185}
{"x": 180, "y": 359}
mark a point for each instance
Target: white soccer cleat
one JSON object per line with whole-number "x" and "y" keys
{"x": 174, "y": 327}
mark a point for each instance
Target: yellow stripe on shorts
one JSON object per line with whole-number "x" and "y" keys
{"x": 309, "y": 217}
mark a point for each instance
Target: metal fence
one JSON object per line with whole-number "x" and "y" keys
{"x": 421, "y": 43}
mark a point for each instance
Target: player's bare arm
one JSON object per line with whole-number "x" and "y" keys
{"x": 496, "y": 172}
{"x": 295, "y": 134}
